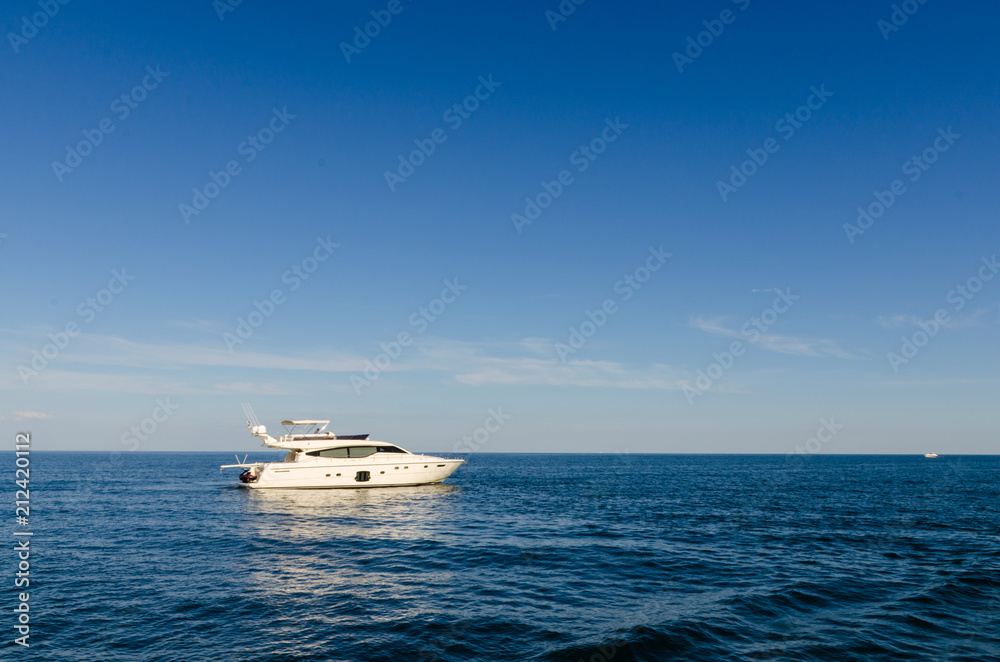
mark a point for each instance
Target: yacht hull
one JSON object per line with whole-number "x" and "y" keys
{"x": 352, "y": 474}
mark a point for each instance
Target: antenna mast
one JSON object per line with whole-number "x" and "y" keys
{"x": 251, "y": 416}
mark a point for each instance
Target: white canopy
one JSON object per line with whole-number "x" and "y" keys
{"x": 305, "y": 422}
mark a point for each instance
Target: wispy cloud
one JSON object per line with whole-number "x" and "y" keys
{"x": 542, "y": 346}
{"x": 505, "y": 364}
{"x": 115, "y": 351}
{"x": 793, "y": 345}
{"x": 551, "y": 372}
{"x": 202, "y": 326}
{"x": 936, "y": 383}
{"x": 713, "y": 325}
{"x": 894, "y": 321}
{"x": 16, "y": 416}
{"x": 113, "y": 364}
{"x": 76, "y": 381}
{"x": 976, "y": 318}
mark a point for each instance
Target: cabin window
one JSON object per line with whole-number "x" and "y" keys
{"x": 354, "y": 451}
{"x": 362, "y": 451}
{"x": 329, "y": 452}
{"x": 363, "y": 476}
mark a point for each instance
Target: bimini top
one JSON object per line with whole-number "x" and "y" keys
{"x": 323, "y": 423}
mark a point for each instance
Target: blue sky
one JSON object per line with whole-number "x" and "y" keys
{"x": 491, "y": 304}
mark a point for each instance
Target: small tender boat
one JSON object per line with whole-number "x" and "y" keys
{"x": 318, "y": 458}
{"x": 930, "y": 454}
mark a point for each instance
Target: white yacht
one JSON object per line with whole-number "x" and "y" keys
{"x": 318, "y": 458}
{"x": 930, "y": 454}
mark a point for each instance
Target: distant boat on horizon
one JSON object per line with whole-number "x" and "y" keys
{"x": 930, "y": 454}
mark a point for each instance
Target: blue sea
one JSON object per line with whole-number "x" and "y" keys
{"x": 159, "y": 556}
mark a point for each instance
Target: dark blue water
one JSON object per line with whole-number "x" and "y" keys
{"x": 539, "y": 557}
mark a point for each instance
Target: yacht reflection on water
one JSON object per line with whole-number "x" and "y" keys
{"x": 413, "y": 512}
{"x": 403, "y": 503}
{"x": 353, "y": 546}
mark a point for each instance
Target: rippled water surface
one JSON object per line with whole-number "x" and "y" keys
{"x": 148, "y": 556}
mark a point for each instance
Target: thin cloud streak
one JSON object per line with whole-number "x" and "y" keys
{"x": 167, "y": 369}
{"x": 474, "y": 367}
{"x": 115, "y": 351}
{"x": 18, "y": 416}
{"x": 976, "y": 318}
{"x": 791, "y": 345}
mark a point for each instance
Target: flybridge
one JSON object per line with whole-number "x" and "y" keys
{"x": 320, "y": 425}
{"x": 319, "y": 431}
{"x": 300, "y": 435}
